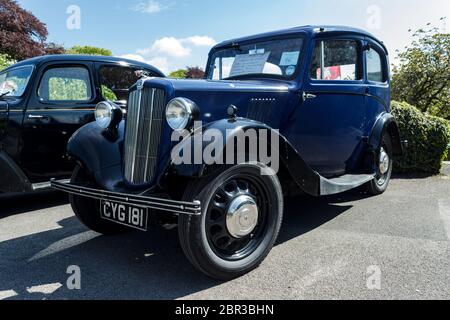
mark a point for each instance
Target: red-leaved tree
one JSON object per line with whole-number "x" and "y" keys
{"x": 195, "y": 73}
{"x": 22, "y": 35}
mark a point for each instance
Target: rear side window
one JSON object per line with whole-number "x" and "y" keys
{"x": 116, "y": 80}
{"x": 336, "y": 60}
{"x": 65, "y": 84}
{"x": 374, "y": 66}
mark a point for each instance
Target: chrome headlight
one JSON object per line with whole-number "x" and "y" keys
{"x": 180, "y": 113}
{"x": 107, "y": 114}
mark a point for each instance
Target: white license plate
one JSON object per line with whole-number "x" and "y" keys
{"x": 125, "y": 214}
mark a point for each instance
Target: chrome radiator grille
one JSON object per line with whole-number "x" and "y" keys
{"x": 145, "y": 116}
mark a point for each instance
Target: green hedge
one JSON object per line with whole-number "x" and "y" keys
{"x": 428, "y": 138}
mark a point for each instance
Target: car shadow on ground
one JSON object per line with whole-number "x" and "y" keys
{"x": 132, "y": 266}
{"x": 22, "y": 203}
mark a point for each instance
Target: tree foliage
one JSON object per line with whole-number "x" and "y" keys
{"x": 178, "y": 74}
{"x": 89, "y": 50}
{"x": 195, "y": 73}
{"x": 22, "y": 35}
{"x": 5, "y": 61}
{"x": 422, "y": 78}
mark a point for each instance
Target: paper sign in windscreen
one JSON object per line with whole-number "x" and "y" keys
{"x": 249, "y": 64}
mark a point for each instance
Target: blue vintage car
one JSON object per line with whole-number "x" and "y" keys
{"x": 316, "y": 98}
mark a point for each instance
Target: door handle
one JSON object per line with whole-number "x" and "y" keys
{"x": 308, "y": 96}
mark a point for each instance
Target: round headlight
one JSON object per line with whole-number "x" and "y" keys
{"x": 104, "y": 114}
{"x": 180, "y": 112}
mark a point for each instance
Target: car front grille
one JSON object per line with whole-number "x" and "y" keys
{"x": 144, "y": 121}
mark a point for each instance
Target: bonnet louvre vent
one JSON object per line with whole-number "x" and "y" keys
{"x": 261, "y": 109}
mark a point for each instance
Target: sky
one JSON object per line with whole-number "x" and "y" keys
{"x": 173, "y": 34}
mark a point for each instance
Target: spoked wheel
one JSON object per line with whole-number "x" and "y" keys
{"x": 234, "y": 224}
{"x": 241, "y": 218}
{"x": 384, "y": 169}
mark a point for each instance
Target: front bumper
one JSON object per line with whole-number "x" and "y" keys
{"x": 166, "y": 205}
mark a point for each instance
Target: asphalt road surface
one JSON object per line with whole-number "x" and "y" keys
{"x": 395, "y": 246}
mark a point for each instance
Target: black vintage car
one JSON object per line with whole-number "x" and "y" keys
{"x": 43, "y": 101}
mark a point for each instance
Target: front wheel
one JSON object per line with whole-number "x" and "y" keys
{"x": 242, "y": 212}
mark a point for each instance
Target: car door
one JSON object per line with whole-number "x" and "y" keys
{"x": 62, "y": 101}
{"x": 331, "y": 117}
{"x": 3, "y": 117}
{"x": 377, "y": 82}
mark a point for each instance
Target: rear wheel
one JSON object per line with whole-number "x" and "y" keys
{"x": 384, "y": 167}
{"x": 88, "y": 210}
{"x": 240, "y": 221}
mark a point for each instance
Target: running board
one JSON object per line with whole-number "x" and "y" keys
{"x": 343, "y": 183}
{"x": 45, "y": 185}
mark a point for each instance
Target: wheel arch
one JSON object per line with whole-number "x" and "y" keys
{"x": 386, "y": 123}
{"x": 290, "y": 161}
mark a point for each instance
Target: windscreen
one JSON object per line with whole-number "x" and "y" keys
{"x": 14, "y": 82}
{"x": 275, "y": 58}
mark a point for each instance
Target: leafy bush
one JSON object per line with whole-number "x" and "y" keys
{"x": 179, "y": 74}
{"x": 108, "y": 94}
{"x": 428, "y": 138}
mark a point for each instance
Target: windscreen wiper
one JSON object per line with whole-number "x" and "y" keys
{"x": 5, "y": 94}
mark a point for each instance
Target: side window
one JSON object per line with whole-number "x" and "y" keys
{"x": 65, "y": 84}
{"x": 116, "y": 80}
{"x": 374, "y": 66}
{"x": 336, "y": 60}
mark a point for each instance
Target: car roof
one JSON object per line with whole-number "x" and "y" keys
{"x": 66, "y": 57}
{"x": 310, "y": 30}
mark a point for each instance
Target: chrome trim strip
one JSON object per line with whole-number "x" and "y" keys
{"x": 177, "y": 207}
{"x": 149, "y": 132}
{"x": 46, "y": 185}
{"x": 136, "y": 134}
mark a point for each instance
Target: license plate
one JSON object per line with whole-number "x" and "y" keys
{"x": 124, "y": 214}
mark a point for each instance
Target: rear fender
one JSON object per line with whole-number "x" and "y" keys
{"x": 386, "y": 124}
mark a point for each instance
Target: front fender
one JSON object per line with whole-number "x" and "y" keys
{"x": 98, "y": 153}
{"x": 307, "y": 179}
{"x": 386, "y": 123}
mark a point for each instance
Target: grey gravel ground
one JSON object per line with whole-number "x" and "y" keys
{"x": 328, "y": 249}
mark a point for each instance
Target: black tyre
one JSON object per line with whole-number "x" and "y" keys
{"x": 88, "y": 210}
{"x": 384, "y": 168}
{"x": 240, "y": 222}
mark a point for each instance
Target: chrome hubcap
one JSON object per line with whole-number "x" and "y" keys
{"x": 384, "y": 161}
{"x": 242, "y": 217}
